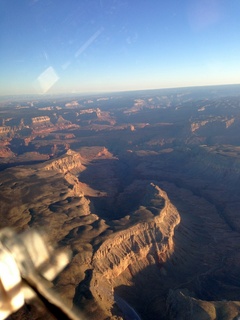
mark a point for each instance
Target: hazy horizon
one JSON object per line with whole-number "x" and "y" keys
{"x": 93, "y": 93}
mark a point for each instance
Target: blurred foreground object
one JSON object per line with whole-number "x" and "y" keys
{"x": 27, "y": 265}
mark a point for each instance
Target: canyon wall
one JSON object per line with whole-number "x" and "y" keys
{"x": 141, "y": 243}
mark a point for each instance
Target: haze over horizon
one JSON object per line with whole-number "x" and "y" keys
{"x": 108, "y": 45}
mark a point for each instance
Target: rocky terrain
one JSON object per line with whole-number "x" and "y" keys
{"x": 143, "y": 188}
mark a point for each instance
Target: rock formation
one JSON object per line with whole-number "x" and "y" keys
{"x": 125, "y": 253}
{"x": 71, "y": 161}
{"x": 112, "y": 253}
{"x": 182, "y": 305}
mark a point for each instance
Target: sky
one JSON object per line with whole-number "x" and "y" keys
{"x": 83, "y": 46}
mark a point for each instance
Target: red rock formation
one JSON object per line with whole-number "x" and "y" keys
{"x": 5, "y": 152}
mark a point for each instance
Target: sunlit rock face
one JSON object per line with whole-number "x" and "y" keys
{"x": 71, "y": 161}
{"x": 5, "y": 152}
{"x": 125, "y": 253}
{"x": 151, "y": 237}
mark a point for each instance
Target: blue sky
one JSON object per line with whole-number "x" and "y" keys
{"x": 53, "y": 46}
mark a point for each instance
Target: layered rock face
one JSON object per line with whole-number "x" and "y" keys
{"x": 127, "y": 252}
{"x": 71, "y": 161}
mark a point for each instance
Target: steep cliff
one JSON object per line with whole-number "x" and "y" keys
{"x": 70, "y": 161}
{"x": 140, "y": 244}
{"x": 153, "y": 236}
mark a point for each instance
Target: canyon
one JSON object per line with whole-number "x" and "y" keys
{"x": 145, "y": 194}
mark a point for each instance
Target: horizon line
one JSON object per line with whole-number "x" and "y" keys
{"x": 114, "y": 91}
